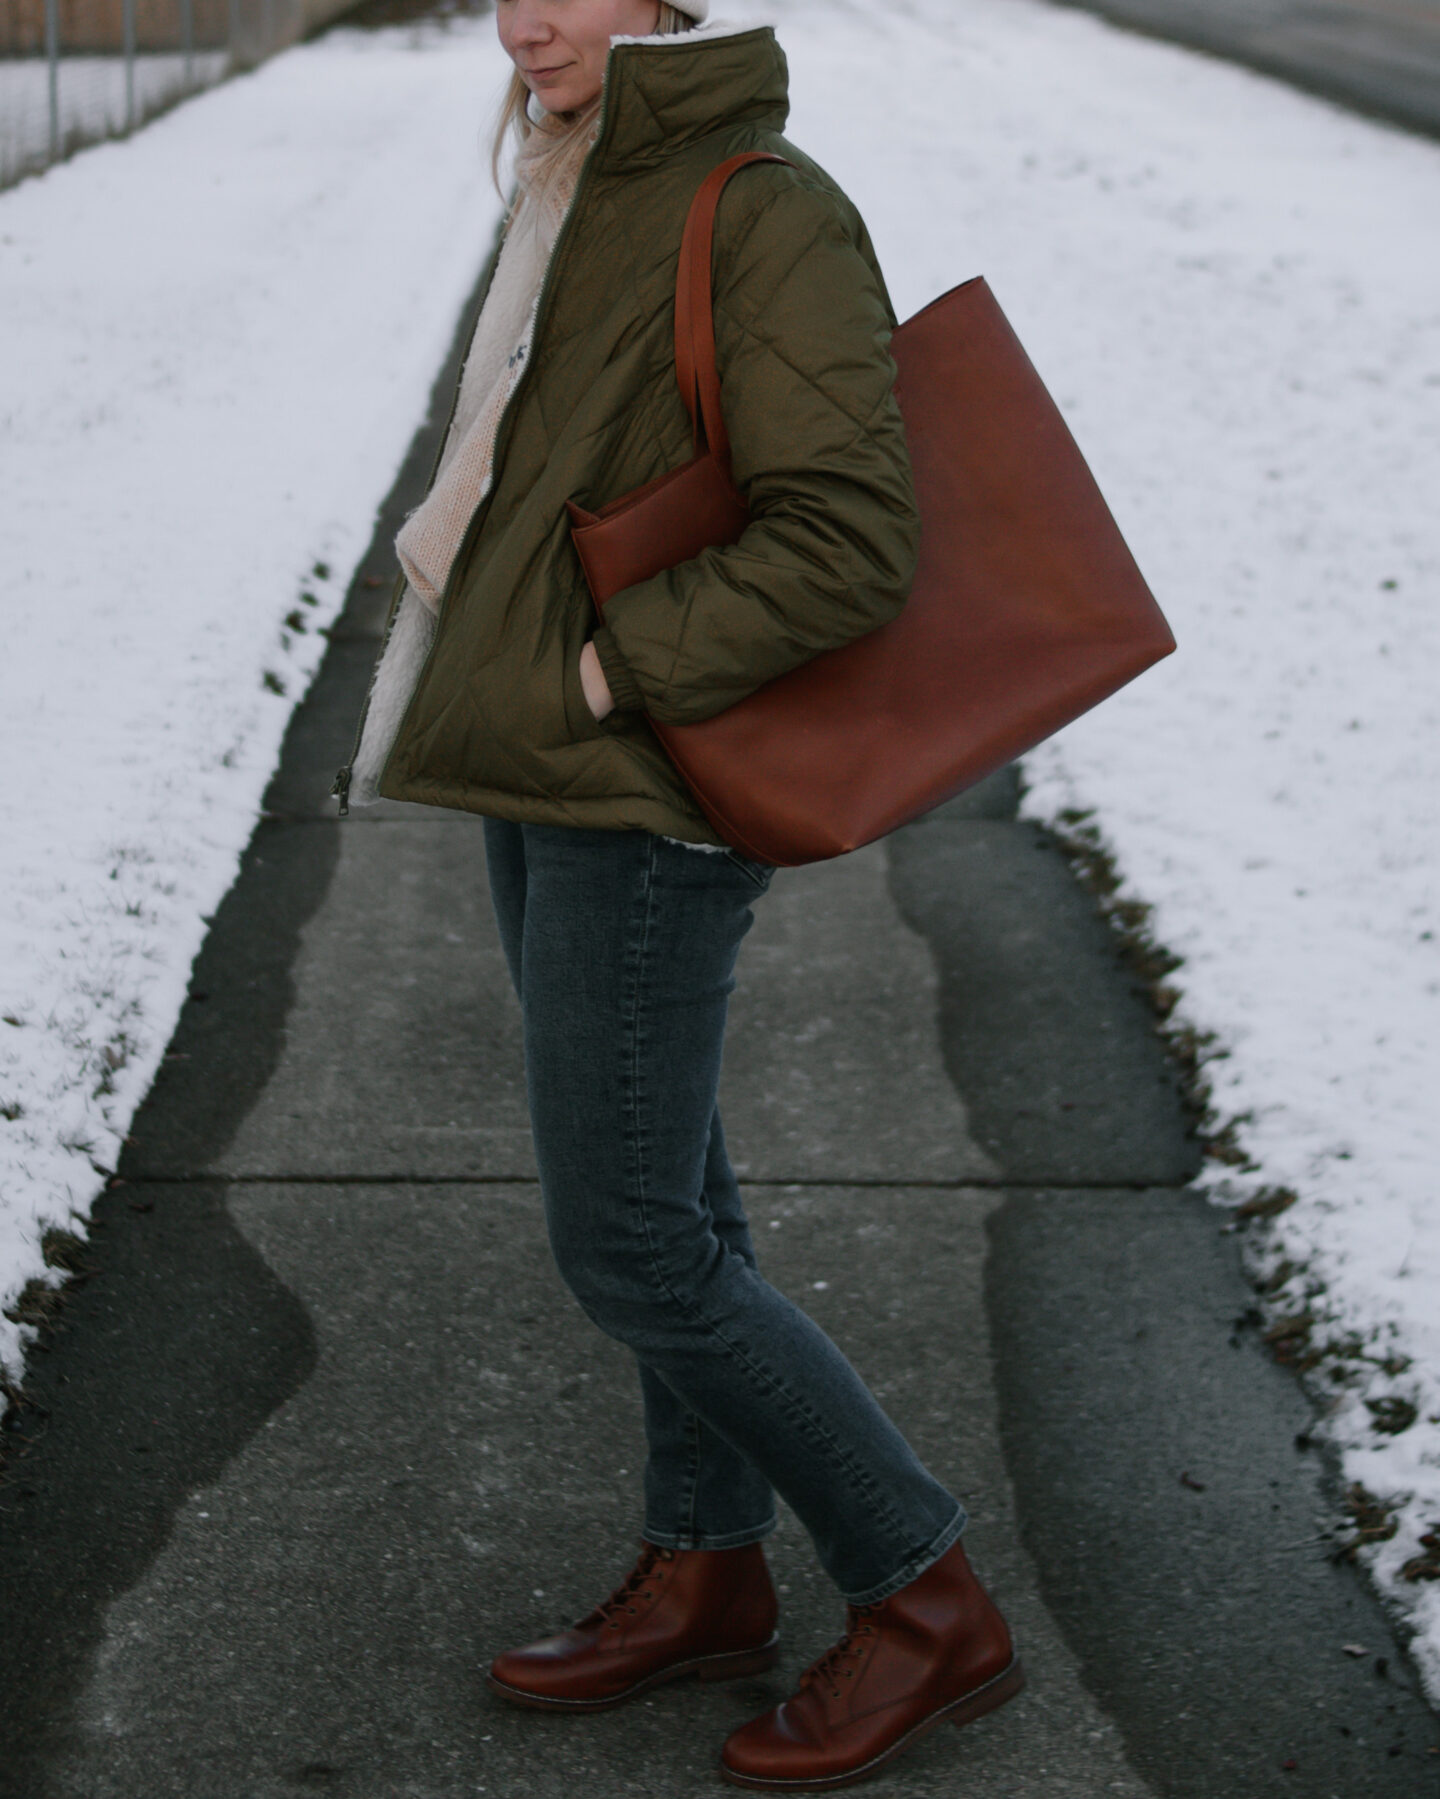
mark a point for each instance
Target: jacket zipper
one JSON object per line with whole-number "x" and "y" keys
{"x": 341, "y": 788}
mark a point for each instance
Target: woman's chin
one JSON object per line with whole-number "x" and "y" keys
{"x": 561, "y": 96}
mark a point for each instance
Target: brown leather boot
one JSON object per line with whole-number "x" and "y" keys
{"x": 709, "y": 1612}
{"x": 938, "y": 1650}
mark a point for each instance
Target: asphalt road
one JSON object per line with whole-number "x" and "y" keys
{"x": 1380, "y": 57}
{"x": 321, "y": 1431}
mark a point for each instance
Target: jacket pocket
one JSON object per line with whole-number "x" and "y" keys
{"x": 580, "y": 722}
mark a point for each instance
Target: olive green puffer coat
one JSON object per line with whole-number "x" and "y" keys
{"x": 498, "y": 722}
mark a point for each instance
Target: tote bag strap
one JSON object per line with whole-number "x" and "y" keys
{"x": 694, "y": 311}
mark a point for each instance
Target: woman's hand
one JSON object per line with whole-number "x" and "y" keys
{"x": 592, "y": 679}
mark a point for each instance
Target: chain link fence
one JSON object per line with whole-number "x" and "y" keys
{"x": 75, "y": 71}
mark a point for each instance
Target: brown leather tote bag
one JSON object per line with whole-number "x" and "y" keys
{"x": 1027, "y": 608}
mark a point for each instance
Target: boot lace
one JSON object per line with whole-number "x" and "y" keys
{"x": 841, "y": 1661}
{"x": 639, "y": 1583}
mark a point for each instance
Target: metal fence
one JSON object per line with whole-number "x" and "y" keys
{"x": 75, "y": 71}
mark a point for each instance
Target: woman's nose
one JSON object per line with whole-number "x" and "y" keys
{"x": 528, "y": 24}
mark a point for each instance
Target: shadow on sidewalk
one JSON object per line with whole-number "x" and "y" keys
{"x": 177, "y": 1341}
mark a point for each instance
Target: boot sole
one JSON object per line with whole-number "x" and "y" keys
{"x": 735, "y": 1666}
{"x": 995, "y": 1693}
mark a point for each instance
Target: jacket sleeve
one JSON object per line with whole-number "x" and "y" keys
{"x": 802, "y": 327}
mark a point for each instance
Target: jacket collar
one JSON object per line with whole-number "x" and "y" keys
{"x": 663, "y": 93}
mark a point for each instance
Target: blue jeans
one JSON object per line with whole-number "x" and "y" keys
{"x": 622, "y": 947}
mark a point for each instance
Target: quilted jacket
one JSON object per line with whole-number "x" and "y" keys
{"x": 498, "y": 722}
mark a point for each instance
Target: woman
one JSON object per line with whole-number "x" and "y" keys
{"x": 620, "y": 910}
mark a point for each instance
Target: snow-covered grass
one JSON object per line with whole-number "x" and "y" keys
{"x": 219, "y": 337}
{"x": 1234, "y": 292}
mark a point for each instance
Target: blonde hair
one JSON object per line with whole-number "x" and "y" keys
{"x": 515, "y": 121}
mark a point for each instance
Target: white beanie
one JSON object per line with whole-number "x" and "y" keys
{"x": 698, "y": 10}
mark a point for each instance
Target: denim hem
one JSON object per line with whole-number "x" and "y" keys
{"x": 736, "y": 1539}
{"x": 918, "y": 1563}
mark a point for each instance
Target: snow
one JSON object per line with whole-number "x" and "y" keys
{"x": 1231, "y": 291}
{"x": 220, "y": 337}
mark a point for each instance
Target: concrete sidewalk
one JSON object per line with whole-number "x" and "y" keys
{"x": 324, "y": 1431}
